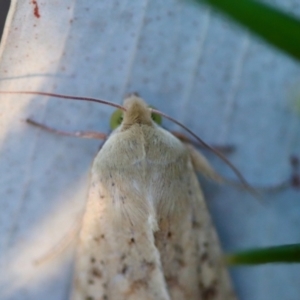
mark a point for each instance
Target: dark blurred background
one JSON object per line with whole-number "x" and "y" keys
{"x": 4, "y": 5}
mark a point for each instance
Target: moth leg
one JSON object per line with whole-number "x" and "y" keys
{"x": 80, "y": 134}
{"x": 201, "y": 165}
{"x": 61, "y": 246}
{"x": 222, "y": 148}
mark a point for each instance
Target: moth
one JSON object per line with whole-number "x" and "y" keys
{"x": 146, "y": 231}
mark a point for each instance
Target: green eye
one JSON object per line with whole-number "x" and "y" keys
{"x": 116, "y": 119}
{"x": 155, "y": 117}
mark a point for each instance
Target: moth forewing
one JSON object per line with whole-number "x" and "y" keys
{"x": 146, "y": 232}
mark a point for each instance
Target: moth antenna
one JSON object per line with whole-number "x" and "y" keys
{"x": 216, "y": 152}
{"x": 67, "y": 97}
{"x": 205, "y": 145}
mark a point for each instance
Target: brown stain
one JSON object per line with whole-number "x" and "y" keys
{"x": 131, "y": 241}
{"x": 149, "y": 265}
{"x": 136, "y": 285}
{"x": 173, "y": 282}
{"x": 124, "y": 269}
{"x": 36, "y": 10}
{"x": 96, "y": 273}
{"x": 204, "y": 257}
{"x": 209, "y": 293}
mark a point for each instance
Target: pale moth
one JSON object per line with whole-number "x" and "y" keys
{"x": 146, "y": 232}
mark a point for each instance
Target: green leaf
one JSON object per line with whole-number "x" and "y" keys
{"x": 276, "y": 254}
{"x": 273, "y": 25}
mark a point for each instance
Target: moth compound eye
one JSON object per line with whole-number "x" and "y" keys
{"x": 116, "y": 119}
{"x": 155, "y": 117}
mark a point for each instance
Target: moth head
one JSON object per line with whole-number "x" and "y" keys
{"x": 137, "y": 111}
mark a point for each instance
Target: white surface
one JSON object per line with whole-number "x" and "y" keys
{"x": 189, "y": 63}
